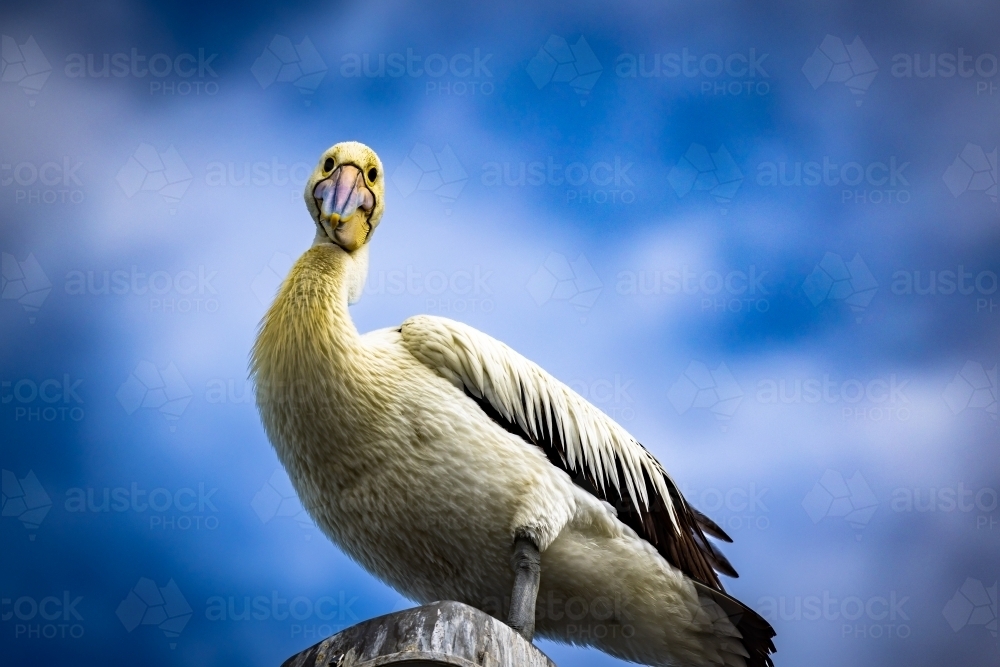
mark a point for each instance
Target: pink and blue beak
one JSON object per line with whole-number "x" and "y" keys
{"x": 342, "y": 193}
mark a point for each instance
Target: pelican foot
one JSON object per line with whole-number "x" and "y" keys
{"x": 527, "y": 574}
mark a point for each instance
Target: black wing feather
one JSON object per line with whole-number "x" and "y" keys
{"x": 687, "y": 549}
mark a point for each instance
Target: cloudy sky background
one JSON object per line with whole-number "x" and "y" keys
{"x": 579, "y": 276}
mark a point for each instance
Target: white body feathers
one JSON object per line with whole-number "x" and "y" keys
{"x": 410, "y": 477}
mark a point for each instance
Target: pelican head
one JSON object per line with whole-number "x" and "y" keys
{"x": 346, "y": 194}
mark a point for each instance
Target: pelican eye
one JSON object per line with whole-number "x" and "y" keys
{"x": 328, "y": 165}
{"x": 372, "y": 174}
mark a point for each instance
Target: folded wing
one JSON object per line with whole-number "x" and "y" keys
{"x": 593, "y": 449}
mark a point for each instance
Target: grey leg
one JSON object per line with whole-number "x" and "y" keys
{"x": 527, "y": 573}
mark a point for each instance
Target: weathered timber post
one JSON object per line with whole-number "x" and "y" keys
{"x": 441, "y": 633}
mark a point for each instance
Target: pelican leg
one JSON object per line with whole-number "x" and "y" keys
{"x": 527, "y": 573}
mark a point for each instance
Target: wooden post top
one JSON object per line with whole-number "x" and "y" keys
{"x": 440, "y": 633}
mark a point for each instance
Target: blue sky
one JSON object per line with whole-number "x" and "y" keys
{"x": 771, "y": 254}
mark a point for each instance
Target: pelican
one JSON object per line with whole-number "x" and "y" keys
{"x": 453, "y": 468}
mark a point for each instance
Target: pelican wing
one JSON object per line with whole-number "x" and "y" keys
{"x": 576, "y": 437}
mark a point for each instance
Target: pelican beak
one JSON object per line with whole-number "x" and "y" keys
{"x": 344, "y": 202}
